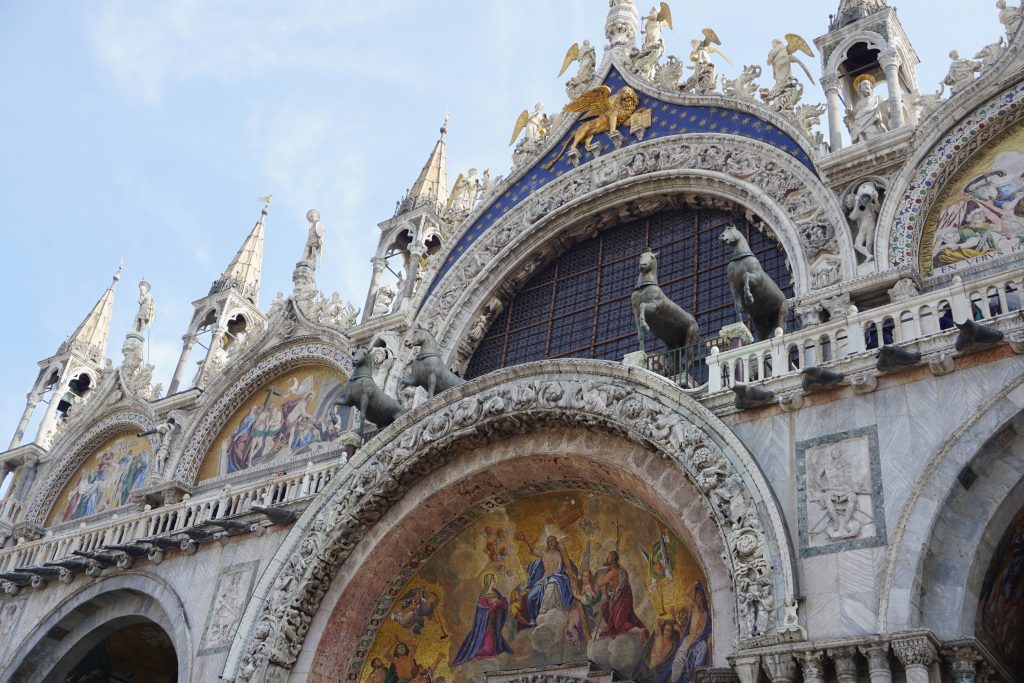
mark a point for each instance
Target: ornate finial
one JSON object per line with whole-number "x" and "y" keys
{"x": 266, "y": 204}
{"x": 622, "y": 25}
{"x": 444, "y": 126}
{"x": 117, "y": 275}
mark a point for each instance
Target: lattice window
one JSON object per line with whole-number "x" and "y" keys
{"x": 579, "y": 305}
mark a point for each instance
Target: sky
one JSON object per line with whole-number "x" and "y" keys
{"x": 146, "y": 131}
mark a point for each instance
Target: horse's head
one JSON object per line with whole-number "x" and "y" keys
{"x": 648, "y": 262}
{"x": 361, "y": 356}
{"x": 418, "y": 336}
{"x": 731, "y": 237}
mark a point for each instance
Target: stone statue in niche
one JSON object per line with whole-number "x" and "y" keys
{"x": 382, "y": 303}
{"x": 428, "y": 369}
{"x": 864, "y": 205}
{"x": 868, "y": 117}
{"x": 656, "y": 313}
{"x": 753, "y": 292}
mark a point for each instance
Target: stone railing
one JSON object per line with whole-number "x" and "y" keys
{"x": 904, "y": 321}
{"x": 170, "y": 520}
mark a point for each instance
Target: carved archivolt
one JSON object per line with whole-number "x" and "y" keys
{"x": 124, "y": 420}
{"x": 222, "y": 403}
{"x": 781, "y": 191}
{"x": 606, "y": 396}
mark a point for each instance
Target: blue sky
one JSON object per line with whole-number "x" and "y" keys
{"x": 146, "y": 131}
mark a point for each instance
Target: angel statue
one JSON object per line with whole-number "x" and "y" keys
{"x": 704, "y": 77}
{"x": 534, "y": 124}
{"x": 587, "y": 58}
{"x": 603, "y": 113}
{"x": 463, "y": 195}
{"x": 787, "y": 91}
{"x": 645, "y": 60}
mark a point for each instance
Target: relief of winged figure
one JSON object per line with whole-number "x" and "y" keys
{"x": 704, "y": 77}
{"x": 587, "y": 58}
{"x": 786, "y": 92}
{"x": 604, "y": 112}
{"x": 644, "y": 61}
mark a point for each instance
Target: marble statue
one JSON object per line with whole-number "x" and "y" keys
{"x": 868, "y": 117}
{"x": 991, "y": 53}
{"x": 587, "y": 58}
{"x": 787, "y": 91}
{"x": 644, "y": 61}
{"x": 532, "y": 123}
{"x": 315, "y": 239}
{"x": 961, "y": 72}
{"x": 1010, "y": 17}
{"x": 654, "y": 312}
{"x": 428, "y": 369}
{"x": 832, "y": 487}
{"x": 144, "y": 317}
{"x": 463, "y": 196}
{"x": 863, "y": 207}
{"x": 704, "y": 76}
{"x": 165, "y": 432}
{"x": 382, "y": 303}
{"x": 277, "y": 305}
{"x": 754, "y": 293}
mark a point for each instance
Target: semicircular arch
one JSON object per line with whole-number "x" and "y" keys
{"x": 598, "y": 395}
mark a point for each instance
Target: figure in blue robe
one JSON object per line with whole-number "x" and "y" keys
{"x": 537, "y": 581}
{"x": 486, "y": 640}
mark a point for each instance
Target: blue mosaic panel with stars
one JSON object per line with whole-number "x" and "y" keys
{"x": 666, "y": 120}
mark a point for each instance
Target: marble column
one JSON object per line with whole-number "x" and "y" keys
{"x": 813, "y": 665}
{"x": 416, "y": 251}
{"x": 189, "y": 341}
{"x": 878, "y": 662}
{"x": 916, "y": 654}
{"x": 890, "y": 62}
{"x": 835, "y": 112}
{"x": 964, "y": 663}
{"x": 50, "y": 416}
{"x": 845, "y": 659}
{"x": 781, "y": 667}
{"x": 32, "y": 400}
{"x": 371, "y": 296}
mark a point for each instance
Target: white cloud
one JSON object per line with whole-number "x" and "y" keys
{"x": 144, "y": 47}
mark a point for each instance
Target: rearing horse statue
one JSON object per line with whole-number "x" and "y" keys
{"x": 753, "y": 291}
{"x": 428, "y": 370}
{"x": 363, "y": 394}
{"x": 656, "y": 313}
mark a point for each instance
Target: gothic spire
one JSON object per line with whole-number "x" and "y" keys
{"x": 854, "y": 10}
{"x": 243, "y": 273}
{"x": 431, "y": 187}
{"x": 90, "y": 337}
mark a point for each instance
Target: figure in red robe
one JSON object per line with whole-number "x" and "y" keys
{"x": 617, "y": 600}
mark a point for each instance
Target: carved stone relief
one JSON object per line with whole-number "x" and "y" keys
{"x": 234, "y": 585}
{"x": 840, "y": 493}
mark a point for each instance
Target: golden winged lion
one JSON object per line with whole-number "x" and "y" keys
{"x": 604, "y": 113}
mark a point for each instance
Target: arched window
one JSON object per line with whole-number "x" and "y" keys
{"x": 579, "y": 305}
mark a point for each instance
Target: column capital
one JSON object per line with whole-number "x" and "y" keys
{"x": 963, "y": 660}
{"x": 889, "y": 59}
{"x": 877, "y": 655}
{"x": 32, "y": 399}
{"x": 914, "y": 651}
{"x": 830, "y": 82}
{"x": 747, "y": 668}
{"x": 189, "y": 339}
{"x": 846, "y": 663}
{"x": 781, "y": 667}
{"x": 813, "y": 664}
{"x": 378, "y": 262}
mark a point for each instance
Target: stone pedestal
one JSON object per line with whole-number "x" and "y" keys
{"x": 737, "y": 335}
{"x": 637, "y": 359}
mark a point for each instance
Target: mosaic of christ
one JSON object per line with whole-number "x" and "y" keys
{"x": 293, "y": 415}
{"x": 105, "y": 479}
{"x": 549, "y": 579}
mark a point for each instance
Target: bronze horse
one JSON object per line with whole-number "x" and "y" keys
{"x": 753, "y": 292}
{"x": 656, "y": 313}
{"x": 428, "y": 370}
{"x": 363, "y": 394}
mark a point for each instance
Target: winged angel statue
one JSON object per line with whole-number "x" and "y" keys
{"x": 587, "y": 57}
{"x": 604, "y": 113}
{"x": 704, "y": 76}
{"x": 787, "y": 91}
{"x": 645, "y": 60}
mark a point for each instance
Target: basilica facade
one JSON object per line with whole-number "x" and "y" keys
{"x": 715, "y": 384}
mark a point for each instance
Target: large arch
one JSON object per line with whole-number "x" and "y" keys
{"x": 86, "y": 617}
{"x": 630, "y": 181}
{"x": 602, "y": 396}
{"x": 942, "y": 544}
{"x": 252, "y": 370}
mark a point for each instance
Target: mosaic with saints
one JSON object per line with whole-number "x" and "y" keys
{"x": 552, "y": 578}
{"x": 984, "y": 216}
{"x": 105, "y": 479}
{"x": 293, "y": 415}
